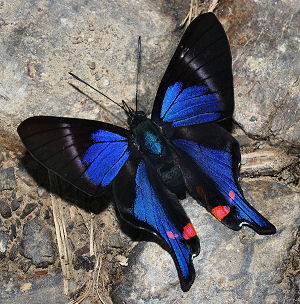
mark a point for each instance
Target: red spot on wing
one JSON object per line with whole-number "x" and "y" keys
{"x": 188, "y": 231}
{"x": 171, "y": 235}
{"x": 220, "y": 212}
{"x": 201, "y": 192}
{"x": 231, "y": 195}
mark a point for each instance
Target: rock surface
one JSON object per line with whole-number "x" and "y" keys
{"x": 5, "y": 210}
{"x": 37, "y": 243}
{"x": 43, "y": 41}
{"x": 3, "y": 243}
{"x": 7, "y": 179}
{"x": 266, "y": 64}
{"x": 45, "y": 289}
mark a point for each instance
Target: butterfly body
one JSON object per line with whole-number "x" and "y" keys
{"x": 182, "y": 148}
{"x": 159, "y": 155}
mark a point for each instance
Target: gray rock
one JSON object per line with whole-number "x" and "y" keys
{"x": 297, "y": 280}
{"x": 28, "y": 209}
{"x": 13, "y": 251}
{"x": 37, "y": 244}
{"x": 115, "y": 240}
{"x": 38, "y": 290}
{"x": 13, "y": 231}
{"x": 25, "y": 265}
{"x": 15, "y": 204}
{"x": 231, "y": 265}
{"x": 266, "y": 64}
{"x": 1, "y": 155}
{"x": 37, "y": 56}
{"x": 7, "y": 179}
{"x": 3, "y": 243}
{"x": 5, "y": 209}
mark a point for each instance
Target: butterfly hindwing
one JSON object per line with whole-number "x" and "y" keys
{"x": 197, "y": 86}
{"x": 86, "y": 153}
{"x": 146, "y": 203}
{"x": 210, "y": 160}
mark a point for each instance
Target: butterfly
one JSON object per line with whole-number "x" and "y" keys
{"x": 181, "y": 149}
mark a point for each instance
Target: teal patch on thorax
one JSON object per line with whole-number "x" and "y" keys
{"x": 152, "y": 143}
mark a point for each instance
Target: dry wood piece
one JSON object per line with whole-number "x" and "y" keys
{"x": 269, "y": 161}
{"x": 196, "y": 8}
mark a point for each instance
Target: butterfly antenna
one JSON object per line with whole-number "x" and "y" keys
{"x": 138, "y": 72}
{"x": 76, "y": 77}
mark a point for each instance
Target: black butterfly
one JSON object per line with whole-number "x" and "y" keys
{"x": 180, "y": 149}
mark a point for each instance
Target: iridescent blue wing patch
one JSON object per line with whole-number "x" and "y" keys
{"x": 105, "y": 157}
{"x": 145, "y": 203}
{"x": 197, "y": 86}
{"x": 193, "y": 105}
{"x": 210, "y": 165}
{"x": 86, "y": 153}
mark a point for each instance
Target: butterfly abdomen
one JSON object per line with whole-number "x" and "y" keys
{"x": 159, "y": 156}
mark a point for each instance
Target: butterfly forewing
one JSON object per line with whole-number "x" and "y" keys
{"x": 86, "y": 153}
{"x": 198, "y": 78}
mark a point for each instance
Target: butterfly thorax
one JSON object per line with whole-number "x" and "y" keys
{"x": 159, "y": 155}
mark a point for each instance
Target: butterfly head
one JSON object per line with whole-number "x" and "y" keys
{"x": 133, "y": 117}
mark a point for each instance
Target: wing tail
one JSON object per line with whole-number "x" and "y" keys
{"x": 149, "y": 205}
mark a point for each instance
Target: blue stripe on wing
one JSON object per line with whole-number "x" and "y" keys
{"x": 148, "y": 208}
{"x": 105, "y": 157}
{"x": 217, "y": 164}
{"x": 193, "y": 105}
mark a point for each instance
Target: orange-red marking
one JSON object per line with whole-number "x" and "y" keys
{"x": 188, "y": 231}
{"x": 231, "y": 195}
{"x": 220, "y": 212}
{"x": 171, "y": 235}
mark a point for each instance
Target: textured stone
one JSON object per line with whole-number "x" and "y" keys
{"x": 115, "y": 240}
{"x": 1, "y": 155}
{"x": 3, "y": 243}
{"x": 231, "y": 265}
{"x": 15, "y": 204}
{"x": 37, "y": 244}
{"x": 38, "y": 290}
{"x": 297, "y": 280}
{"x": 266, "y": 65}
{"x": 28, "y": 209}
{"x": 25, "y": 265}
{"x": 5, "y": 209}
{"x": 13, "y": 231}
{"x": 37, "y": 53}
{"x": 13, "y": 252}
{"x": 7, "y": 179}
